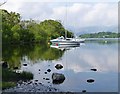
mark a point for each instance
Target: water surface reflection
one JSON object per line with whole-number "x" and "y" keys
{"x": 77, "y": 64}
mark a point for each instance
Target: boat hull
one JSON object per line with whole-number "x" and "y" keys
{"x": 66, "y": 43}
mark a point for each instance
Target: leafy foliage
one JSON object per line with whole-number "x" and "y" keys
{"x": 16, "y": 31}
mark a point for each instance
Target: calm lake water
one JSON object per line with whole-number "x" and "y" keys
{"x": 77, "y": 64}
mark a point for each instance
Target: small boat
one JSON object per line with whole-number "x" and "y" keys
{"x": 66, "y": 41}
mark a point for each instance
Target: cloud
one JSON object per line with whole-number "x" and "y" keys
{"x": 102, "y": 14}
{"x": 37, "y": 11}
{"x": 83, "y": 15}
{"x": 78, "y": 14}
{"x": 12, "y": 5}
{"x": 102, "y": 60}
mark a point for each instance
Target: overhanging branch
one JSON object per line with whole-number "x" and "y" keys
{"x": 3, "y": 3}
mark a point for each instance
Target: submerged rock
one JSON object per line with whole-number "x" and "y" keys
{"x": 58, "y": 66}
{"x": 36, "y": 80}
{"x": 36, "y": 83}
{"x": 40, "y": 83}
{"x": 24, "y": 64}
{"x": 5, "y": 65}
{"x": 20, "y": 82}
{"x": 90, "y": 80}
{"x": 93, "y": 69}
{"x": 58, "y": 78}
{"x": 15, "y": 68}
{"x": 30, "y": 82}
{"x": 47, "y": 79}
{"x": 83, "y": 91}
{"x": 48, "y": 70}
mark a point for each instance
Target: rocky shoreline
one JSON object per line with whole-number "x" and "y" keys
{"x": 31, "y": 87}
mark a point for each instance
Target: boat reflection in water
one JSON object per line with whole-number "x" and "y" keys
{"x": 58, "y": 78}
{"x": 64, "y": 47}
{"x": 66, "y": 43}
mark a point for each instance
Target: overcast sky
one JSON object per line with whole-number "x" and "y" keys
{"x": 79, "y": 13}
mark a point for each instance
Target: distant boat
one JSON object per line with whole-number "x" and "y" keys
{"x": 66, "y": 41}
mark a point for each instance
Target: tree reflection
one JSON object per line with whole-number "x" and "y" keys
{"x": 14, "y": 53}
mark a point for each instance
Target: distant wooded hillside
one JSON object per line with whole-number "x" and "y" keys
{"x": 101, "y": 35}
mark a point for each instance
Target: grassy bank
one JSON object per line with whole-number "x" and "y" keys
{"x": 10, "y": 78}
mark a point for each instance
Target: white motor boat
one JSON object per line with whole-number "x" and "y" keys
{"x": 66, "y": 41}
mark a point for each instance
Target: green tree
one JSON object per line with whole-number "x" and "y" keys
{"x": 15, "y": 30}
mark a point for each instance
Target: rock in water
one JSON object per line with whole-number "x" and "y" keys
{"x": 58, "y": 78}
{"x": 48, "y": 70}
{"x": 20, "y": 82}
{"x": 36, "y": 80}
{"x": 90, "y": 80}
{"x": 93, "y": 69}
{"x": 5, "y": 65}
{"x": 58, "y": 66}
{"x": 47, "y": 79}
{"x": 83, "y": 91}
{"x": 24, "y": 64}
{"x": 15, "y": 68}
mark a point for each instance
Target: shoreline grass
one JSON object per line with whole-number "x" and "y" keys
{"x": 10, "y": 78}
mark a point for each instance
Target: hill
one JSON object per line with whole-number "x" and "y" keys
{"x": 101, "y": 35}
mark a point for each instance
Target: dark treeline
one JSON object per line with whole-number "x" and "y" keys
{"x": 15, "y": 30}
{"x": 101, "y": 35}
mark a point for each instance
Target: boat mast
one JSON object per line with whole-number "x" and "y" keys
{"x": 66, "y": 20}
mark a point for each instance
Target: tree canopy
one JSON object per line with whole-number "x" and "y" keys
{"x": 15, "y": 30}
